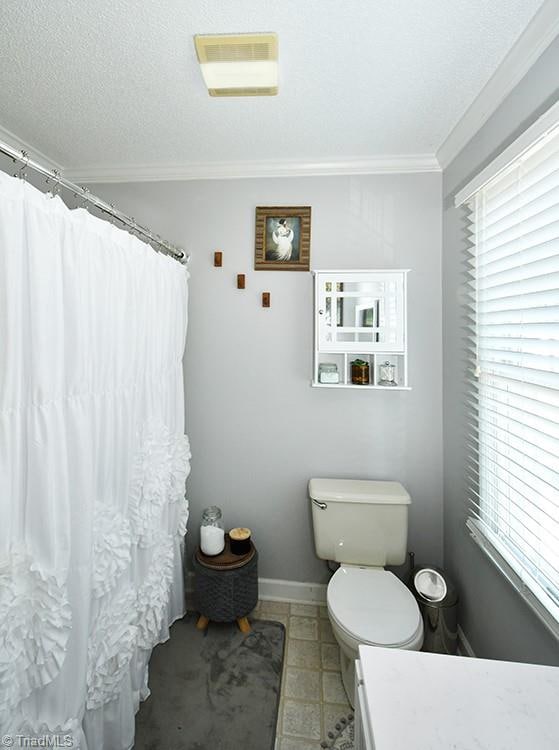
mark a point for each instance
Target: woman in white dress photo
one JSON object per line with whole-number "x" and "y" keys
{"x": 283, "y": 239}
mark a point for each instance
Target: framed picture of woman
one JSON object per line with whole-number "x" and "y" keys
{"x": 283, "y": 238}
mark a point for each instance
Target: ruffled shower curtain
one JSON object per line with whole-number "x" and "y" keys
{"x": 93, "y": 463}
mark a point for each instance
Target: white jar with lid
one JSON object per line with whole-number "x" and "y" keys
{"x": 212, "y": 533}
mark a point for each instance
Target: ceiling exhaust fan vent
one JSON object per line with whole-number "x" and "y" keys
{"x": 254, "y": 91}
{"x": 239, "y": 64}
{"x": 237, "y": 52}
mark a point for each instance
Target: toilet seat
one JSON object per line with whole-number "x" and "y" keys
{"x": 373, "y": 607}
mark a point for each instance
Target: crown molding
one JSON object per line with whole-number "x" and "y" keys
{"x": 16, "y": 142}
{"x": 252, "y": 169}
{"x": 530, "y": 45}
{"x": 389, "y": 164}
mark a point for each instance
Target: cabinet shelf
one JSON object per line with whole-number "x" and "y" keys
{"x": 361, "y": 315}
{"x": 355, "y": 387}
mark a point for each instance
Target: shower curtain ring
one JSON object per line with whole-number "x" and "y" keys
{"x": 21, "y": 173}
{"x": 85, "y": 198}
{"x": 56, "y": 183}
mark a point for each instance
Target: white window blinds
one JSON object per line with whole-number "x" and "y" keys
{"x": 514, "y": 376}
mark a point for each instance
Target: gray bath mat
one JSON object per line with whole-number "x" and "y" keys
{"x": 213, "y": 690}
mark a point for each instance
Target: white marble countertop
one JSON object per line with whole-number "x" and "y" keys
{"x": 419, "y": 701}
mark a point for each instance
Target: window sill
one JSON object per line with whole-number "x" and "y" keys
{"x": 489, "y": 546}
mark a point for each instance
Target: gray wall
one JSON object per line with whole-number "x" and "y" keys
{"x": 495, "y": 619}
{"x": 258, "y": 430}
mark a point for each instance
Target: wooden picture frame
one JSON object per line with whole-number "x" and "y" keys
{"x": 283, "y": 238}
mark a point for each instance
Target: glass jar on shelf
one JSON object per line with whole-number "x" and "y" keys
{"x": 212, "y": 532}
{"x": 328, "y": 372}
{"x": 359, "y": 372}
{"x": 387, "y": 372}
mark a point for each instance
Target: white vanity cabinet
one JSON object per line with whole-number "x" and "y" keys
{"x": 363, "y": 728}
{"x": 411, "y": 700}
{"x": 361, "y": 315}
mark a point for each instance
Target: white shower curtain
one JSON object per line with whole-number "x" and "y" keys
{"x": 93, "y": 463}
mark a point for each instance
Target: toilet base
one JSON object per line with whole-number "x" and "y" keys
{"x": 348, "y": 675}
{"x": 349, "y": 652}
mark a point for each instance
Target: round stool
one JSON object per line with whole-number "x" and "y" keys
{"x": 226, "y": 587}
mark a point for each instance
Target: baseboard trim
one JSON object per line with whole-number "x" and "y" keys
{"x": 464, "y": 647}
{"x": 278, "y": 590}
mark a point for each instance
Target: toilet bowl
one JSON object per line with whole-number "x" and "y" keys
{"x": 370, "y": 606}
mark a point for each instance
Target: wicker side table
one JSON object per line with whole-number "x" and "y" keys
{"x": 225, "y": 592}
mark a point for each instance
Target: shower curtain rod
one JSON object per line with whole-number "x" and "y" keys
{"x": 107, "y": 208}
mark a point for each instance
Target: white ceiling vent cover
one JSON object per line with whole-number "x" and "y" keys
{"x": 239, "y": 64}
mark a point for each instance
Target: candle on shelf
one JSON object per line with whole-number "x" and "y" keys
{"x": 239, "y": 539}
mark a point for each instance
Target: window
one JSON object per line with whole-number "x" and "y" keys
{"x": 514, "y": 376}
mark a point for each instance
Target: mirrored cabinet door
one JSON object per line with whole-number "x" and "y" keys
{"x": 360, "y": 339}
{"x": 360, "y": 311}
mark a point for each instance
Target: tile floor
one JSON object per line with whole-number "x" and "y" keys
{"x": 312, "y": 695}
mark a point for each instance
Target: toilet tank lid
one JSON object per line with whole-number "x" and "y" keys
{"x": 358, "y": 491}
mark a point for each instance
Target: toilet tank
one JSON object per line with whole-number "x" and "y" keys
{"x": 360, "y": 522}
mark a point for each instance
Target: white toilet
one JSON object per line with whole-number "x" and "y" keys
{"x": 363, "y": 525}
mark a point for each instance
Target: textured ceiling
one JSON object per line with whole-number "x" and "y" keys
{"x": 116, "y": 81}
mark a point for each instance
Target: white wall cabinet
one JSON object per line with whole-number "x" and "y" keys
{"x": 361, "y": 315}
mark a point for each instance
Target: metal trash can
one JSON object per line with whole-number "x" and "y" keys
{"x": 438, "y": 603}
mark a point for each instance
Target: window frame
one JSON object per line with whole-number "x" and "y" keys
{"x": 500, "y": 554}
